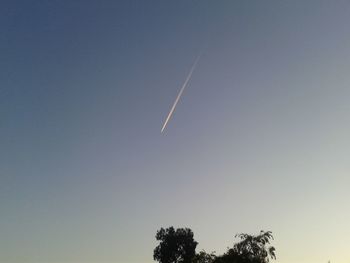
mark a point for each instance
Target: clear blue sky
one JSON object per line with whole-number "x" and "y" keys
{"x": 259, "y": 140}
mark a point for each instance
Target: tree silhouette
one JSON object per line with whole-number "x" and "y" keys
{"x": 251, "y": 249}
{"x": 204, "y": 257}
{"x": 176, "y": 246}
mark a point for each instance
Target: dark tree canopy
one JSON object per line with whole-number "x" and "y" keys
{"x": 251, "y": 249}
{"x": 176, "y": 246}
{"x": 256, "y": 247}
{"x": 204, "y": 257}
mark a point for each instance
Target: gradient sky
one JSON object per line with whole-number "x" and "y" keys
{"x": 259, "y": 140}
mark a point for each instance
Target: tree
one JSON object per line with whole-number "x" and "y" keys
{"x": 231, "y": 257}
{"x": 176, "y": 246}
{"x": 251, "y": 249}
{"x": 204, "y": 257}
{"x": 256, "y": 247}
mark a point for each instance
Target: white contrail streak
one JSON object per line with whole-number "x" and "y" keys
{"x": 181, "y": 91}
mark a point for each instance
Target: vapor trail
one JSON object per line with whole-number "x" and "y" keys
{"x": 181, "y": 91}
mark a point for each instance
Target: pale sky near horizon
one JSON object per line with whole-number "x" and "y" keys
{"x": 259, "y": 140}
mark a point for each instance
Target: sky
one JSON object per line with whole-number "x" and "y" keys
{"x": 259, "y": 139}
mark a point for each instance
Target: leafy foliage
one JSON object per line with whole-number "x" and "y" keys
{"x": 204, "y": 257}
{"x": 255, "y": 247}
{"x": 251, "y": 249}
{"x": 176, "y": 246}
